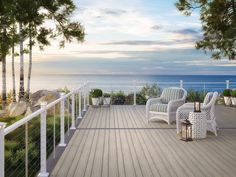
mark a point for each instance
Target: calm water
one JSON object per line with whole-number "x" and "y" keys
{"x": 125, "y": 82}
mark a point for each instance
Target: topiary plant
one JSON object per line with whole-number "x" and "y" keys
{"x": 106, "y": 95}
{"x": 227, "y": 92}
{"x": 96, "y": 93}
{"x": 233, "y": 93}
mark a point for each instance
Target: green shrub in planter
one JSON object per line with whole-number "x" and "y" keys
{"x": 227, "y": 92}
{"x": 106, "y": 95}
{"x": 96, "y": 93}
{"x": 233, "y": 97}
{"x": 233, "y": 93}
{"x": 227, "y": 97}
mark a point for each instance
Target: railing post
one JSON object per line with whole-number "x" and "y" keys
{"x": 204, "y": 88}
{"x": 2, "y": 149}
{"x": 43, "y": 142}
{"x": 80, "y": 109}
{"x": 73, "y": 112}
{"x": 62, "y": 122}
{"x": 227, "y": 84}
{"x": 87, "y": 95}
{"x": 181, "y": 84}
{"x": 135, "y": 92}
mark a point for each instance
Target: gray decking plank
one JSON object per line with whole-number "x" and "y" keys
{"x": 67, "y": 157}
{"x": 117, "y": 142}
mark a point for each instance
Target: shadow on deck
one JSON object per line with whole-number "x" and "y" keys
{"x": 118, "y": 142}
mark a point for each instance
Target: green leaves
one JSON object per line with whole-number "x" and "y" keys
{"x": 218, "y": 24}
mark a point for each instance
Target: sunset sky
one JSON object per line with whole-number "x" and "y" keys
{"x": 131, "y": 37}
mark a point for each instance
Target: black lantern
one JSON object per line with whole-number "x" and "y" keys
{"x": 197, "y": 104}
{"x": 186, "y": 130}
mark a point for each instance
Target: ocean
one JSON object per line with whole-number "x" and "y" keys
{"x": 126, "y": 82}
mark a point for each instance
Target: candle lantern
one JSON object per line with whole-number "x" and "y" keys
{"x": 197, "y": 104}
{"x": 186, "y": 130}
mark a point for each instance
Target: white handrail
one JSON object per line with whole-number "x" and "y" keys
{"x": 41, "y": 112}
{"x": 37, "y": 113}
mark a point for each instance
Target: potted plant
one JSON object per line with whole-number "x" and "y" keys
{"x": 106, "y": 99}
{"x": 233, "y": 97}
{"x": 96, "y": 95}
{"x": 227, "y": 97}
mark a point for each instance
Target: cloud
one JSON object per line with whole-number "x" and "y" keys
{"x": 150, "y": 42}
{"x": 156, "y": 27}
{"x": 190, "y": 31}
{"x": 187, "y": 33}
{"x": 115, "y": 12}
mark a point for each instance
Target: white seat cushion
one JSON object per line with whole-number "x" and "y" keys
{"x": 160, "y": 107}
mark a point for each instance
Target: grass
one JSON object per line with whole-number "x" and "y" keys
{"x": 11, "y": 120}
{"x": 15, "y": 144}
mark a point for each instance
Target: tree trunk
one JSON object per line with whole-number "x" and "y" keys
{"x": 4, "y": 83}
{"x": 13, "y": 73}
{"x": 3, "y": 59}
{"x": 22, "y": 88}
{"x": 233, "y": 5}
{"x": 30, "y": 67}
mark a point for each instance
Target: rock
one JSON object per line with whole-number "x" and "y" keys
{"x": 11, "y": 106}
{"x": 18, "y": 109}
{"x": 44, "y": 96}
{"x": 4, "y": 113}
{"x": 28, "y": 111}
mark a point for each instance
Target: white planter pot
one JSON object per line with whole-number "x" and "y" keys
{"x": 96, "y": 101}
{"x": 107, "y": 101}
{"x": 233, "y": 100}
{"x": 227, "y": 100}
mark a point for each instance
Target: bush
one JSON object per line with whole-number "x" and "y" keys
{"x": 227, "y": 92}
{"x": 140, "y": 99}
{"x": 149, "y": 91}
{"x": 96, "y": 93}
{"x": 193, "y": 94}
{"x": 106, "y": 95}
{"x": 233, "y": 93}
{"x": 118, "y": 98}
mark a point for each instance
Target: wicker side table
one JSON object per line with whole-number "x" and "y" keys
{"x": 199, "y": 124}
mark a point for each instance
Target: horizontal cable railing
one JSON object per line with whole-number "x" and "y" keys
{"x": 134, "y": 87}
{"x": 26, "y": 145}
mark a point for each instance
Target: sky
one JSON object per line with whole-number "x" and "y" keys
{"x": 131, "y": 37}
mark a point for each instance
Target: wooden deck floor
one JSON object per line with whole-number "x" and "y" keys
{"x": 118, "y": 142}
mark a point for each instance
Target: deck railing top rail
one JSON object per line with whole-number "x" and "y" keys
{"x": 76, "y": 105}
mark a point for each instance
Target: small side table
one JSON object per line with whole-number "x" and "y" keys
{"x": 199, "y": 124}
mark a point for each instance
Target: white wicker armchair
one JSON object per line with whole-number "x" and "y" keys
{"x": 164, "y": 107}
{"x": 208, "y": 107}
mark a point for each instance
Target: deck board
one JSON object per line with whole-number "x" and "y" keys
{"x": 117, "y": 141}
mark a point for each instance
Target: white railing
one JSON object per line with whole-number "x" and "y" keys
{"x": 135, "y": 86}
{"x": 76, "y": 98}
{"x": 79, "y": 102}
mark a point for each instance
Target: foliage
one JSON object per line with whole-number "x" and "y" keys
{"x": 118, "y": 98}
{"x": 192, "y": 95}
{"x": 218, "y": 24}
{"x": 227, "y": 92}
{"x": 140, "y": 99}
{"x": 149, "y": 91}
{"x": 233, "y": 93}
{"x": 96, "y": 93}
{"x": 31, "y": 17}
{"x": 15, "y": 145}
{"x": 65, "y": 90}
{"x": 106, "y": 95}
